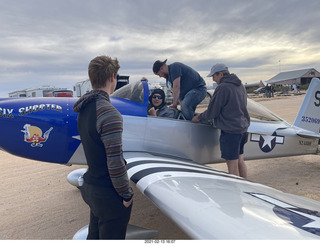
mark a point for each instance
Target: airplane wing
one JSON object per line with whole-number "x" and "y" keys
{"x": 210, "y": 204}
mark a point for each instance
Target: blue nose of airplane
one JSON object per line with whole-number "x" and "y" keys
{"x": 39, "y": 128}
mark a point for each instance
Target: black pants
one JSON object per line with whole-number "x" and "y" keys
{"x": 108, "y": 216}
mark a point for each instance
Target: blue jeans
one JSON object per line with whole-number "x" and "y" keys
{"x": 191, "y": 101}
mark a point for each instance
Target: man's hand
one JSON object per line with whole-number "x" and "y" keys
{"x": 127, "y": 204}
{"x": 152, "y": 111}
{"x": 196, "y": 119}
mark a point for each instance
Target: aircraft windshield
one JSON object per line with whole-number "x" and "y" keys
{"x": 133, "y": 92}
{"x": 258, "y": 112}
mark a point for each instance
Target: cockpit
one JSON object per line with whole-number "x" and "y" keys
{"x": 133, "y": 92}
{"x": 137, "y": 95}
{"x": 259, "y": 113}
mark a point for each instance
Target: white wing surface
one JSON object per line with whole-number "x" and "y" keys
{"x": 210, "y": 204}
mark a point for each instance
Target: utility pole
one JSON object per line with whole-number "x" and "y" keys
{"x": 279, "y": 66}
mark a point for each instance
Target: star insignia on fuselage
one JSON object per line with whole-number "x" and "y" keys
{"x": 267, "y": 142}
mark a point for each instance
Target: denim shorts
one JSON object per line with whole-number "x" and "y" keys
{"x": 231, "y": 145}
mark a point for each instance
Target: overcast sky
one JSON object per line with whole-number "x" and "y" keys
{"x": 46, "y": 42}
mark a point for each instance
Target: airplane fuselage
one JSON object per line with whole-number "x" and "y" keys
{"x": 45, "y": 129}
{"x": 200, "y": 143}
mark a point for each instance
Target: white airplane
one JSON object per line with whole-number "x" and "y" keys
{"x": 166, "y": 160}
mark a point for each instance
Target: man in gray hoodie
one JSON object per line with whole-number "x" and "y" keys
{"x": 228, "y": 112}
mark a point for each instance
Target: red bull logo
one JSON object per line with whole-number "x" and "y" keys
{"x": 33, "y": 135}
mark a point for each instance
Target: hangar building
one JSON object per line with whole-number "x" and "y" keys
{"x": 298, "y": 77}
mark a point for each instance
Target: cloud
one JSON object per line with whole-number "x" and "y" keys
{"x": 52, "y": 42}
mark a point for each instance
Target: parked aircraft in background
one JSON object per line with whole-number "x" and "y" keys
{"x": 166, "y": 159}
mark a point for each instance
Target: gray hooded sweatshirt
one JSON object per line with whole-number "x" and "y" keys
{"x": 228, "y": 106}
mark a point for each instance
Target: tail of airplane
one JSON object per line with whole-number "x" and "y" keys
{"x": 308, "y": 117}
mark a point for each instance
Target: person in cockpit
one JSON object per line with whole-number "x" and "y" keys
{"x": 158, "y": 107}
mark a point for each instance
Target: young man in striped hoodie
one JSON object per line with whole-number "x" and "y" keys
{"x": 106, "y": 186}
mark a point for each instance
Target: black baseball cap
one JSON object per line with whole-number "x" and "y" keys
{"x": 157, "y": 65}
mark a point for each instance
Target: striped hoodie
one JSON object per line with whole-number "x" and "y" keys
{"x": 100, "y": 127}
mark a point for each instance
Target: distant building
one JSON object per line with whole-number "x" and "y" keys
{"x": 42, "y": 91}
{"x": 21, "y": 93}
{"x": 82, "y": 87}
{"x": 60, "y": 93}
{"x": 255, "y": 85}
{"x": 297, "y": 77}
